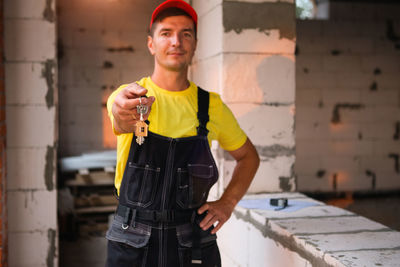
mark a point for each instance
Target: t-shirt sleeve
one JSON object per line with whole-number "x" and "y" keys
{"x": 229, "y": 134}
{"x": 110, "y": 102}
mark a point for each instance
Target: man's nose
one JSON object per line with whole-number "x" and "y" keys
{"x": 176, "y": 40}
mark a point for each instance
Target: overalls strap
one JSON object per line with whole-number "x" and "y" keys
{"x": 203, "y": 100}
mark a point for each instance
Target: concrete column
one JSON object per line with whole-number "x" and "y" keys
{"x": 3, "y": 205}
{"x": 246, "y": 54}
{"x": 31, "y": 117}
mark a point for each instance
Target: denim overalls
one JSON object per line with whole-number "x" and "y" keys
{"x": 165, "y": 181}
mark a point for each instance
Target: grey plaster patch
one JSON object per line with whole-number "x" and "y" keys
{"x": 277, "y": 104}
{"x": 386, "y": 229}
{"x": 238, "y": 16}
{"x": 336, "y": 52}
{"x": 128, "y": 49}
{"x": 396, "y": 135}
{"x": 48, "y": 12}
{"x": 108, "y": 65}
{"x": 377, "y": 71}
{"x": 275, "y": 77}
{"x": 275, "y": 151}
{"x": 287, "y": 242}
{"x": 285, "y": 183}
{"x": 51, "y": 252}
{"x": 396, "y": 161}
{"x": 264, "y": 152}
{"x": 390, "y": 32}
{"x": 48, "y": 72}
{"x": 374, "y": 86}
{"x": 336, "y": 115}
{"x": 321, "y": 173}
{"x": 373, "y": 178}
{"x": 49, "y": 168}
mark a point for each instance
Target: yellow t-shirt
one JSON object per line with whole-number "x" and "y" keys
{"x": 174, "y": 114}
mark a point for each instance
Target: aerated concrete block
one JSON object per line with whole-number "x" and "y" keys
{"x": 254, "y": 249}
{"x": 387, "y": 180}
{"x": 210, "y": 34}
{"x": 26, "y": 83}
{"x": 267, "y": 125}
{"x": 307, "y": 165}
{"x": 337, "y": 95}
{"x": 203, "y": 7}
{"x": 30, "y": 211}
{"x": 33, "y": 249}
{"x": 272, "y": 175}
{"x": 81, "y": 19}
{"x": 386, "y": 148}
{"x": 350, "y": 224}
{"x": 206, "y": 73}
{"x": 87, "y": 38}
{"x": 92, "y": 76}
{"x": 308, "y": 63}
{"x": 30, "y": 126}
{"x": 314, "y": 183}
{"x": 381, "y": 98}
{"x": 24, "y": 40}
{"x": 27, "y": 167}
{"x": 258, "y": 78}
{"x": 353, "y": 241}
{"x": 311, "y": 148}
{"x": 342, "y": 63}
{"x": 383, "y": 257}
{"x": 308, "y": 97}
{"x": 308, "y": 27}
{"x": 378, "y": 130}
{"x": 350, "y": 148}
{"x": 254, "y": 41}
{"x": 25, "y": 9}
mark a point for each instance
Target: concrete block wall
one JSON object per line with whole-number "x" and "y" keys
{"x": 246, "y": 54}
{"x": 348, "y": 99}
{"x": 3, "y": 203}
{"x": 317, "y": 235}
{"x": 31, "y": 119}
{"x": 102, "y": 44}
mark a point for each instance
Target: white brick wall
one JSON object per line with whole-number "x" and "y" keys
{"x": 338, "y": 62}
{"x": 254, "y": 71}
{"x": 31, "y": 104}
{"x": 86, "y": 32}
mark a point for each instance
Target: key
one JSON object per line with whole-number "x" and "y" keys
{"x": 141, "y": 126}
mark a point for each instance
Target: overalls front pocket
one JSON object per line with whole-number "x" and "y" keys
{"x": 141, "y": 186}
{"x": 127, "y": 246}
{"x": 193, "y": 185}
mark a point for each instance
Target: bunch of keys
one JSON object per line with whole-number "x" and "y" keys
{"x": 141, "y": 125}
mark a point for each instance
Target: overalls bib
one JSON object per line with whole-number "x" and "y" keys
{"x": 165, "y": 181}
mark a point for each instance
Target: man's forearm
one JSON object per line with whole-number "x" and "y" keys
{"x": 242, "y": 176}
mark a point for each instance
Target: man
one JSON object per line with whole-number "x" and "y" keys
{"x": 162, "y": 217}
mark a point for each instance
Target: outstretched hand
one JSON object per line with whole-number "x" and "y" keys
{"x": 217, "y": 211}
{"x": 124, "y": 107}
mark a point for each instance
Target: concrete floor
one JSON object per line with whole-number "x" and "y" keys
{"x": 86, "y": 251}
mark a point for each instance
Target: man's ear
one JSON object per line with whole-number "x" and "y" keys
{"x": 150, "y": 44}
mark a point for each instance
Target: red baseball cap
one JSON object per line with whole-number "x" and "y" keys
{"x": 174, "y": 3}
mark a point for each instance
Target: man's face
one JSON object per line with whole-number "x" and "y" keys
{"x": 173, "y": 43}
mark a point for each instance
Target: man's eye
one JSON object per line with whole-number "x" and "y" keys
{"x": 165, "y": 34}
